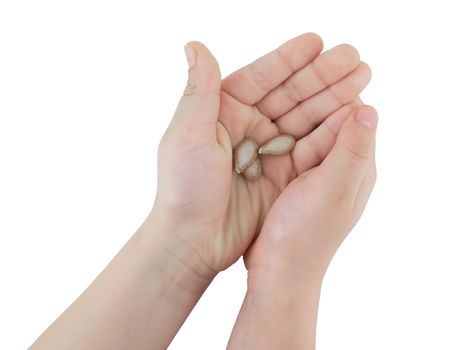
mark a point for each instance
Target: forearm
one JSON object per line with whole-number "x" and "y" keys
{"x": 279, "y": 312}
{"x": 138, "y": 302}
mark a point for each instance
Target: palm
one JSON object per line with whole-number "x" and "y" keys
{"x": 250, "y": 200}
{"x": 294, "y": 91}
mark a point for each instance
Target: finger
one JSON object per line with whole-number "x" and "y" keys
{"x": 322, "y": 72}
{"x": 302, "y": 119}
{"x": 252, "y": 82}
{"x": 242, "y": 121}
{"x": 311, "y": 150}
{"x": 345, "y": 167}
{"x": 365, "y": 189}
{"x": 199, "y": 105}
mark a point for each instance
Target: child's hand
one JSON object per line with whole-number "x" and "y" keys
{"x": 313, "y": 215}
{"x": 200, "y": 199}
{"x": 303, "y": 229}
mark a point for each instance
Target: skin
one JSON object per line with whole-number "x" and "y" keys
{"x": 289, "y": 222}
{"x": 301, "y": 233}
{"x": 214, "y": 117}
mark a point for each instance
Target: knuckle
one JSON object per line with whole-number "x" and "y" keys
{"x": 191, "y": 88}
{"x": 292, "y": 91}
{"x": 357, "y": 150}
{"x": 260, "y": 78}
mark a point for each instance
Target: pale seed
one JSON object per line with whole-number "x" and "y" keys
{"x": 246, "y": 153}
{"x": 254, "y": 170}
{"x": 279, "y": 145}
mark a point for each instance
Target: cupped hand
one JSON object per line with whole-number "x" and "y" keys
{"x": 316, "y": 211}
{"x": 293, "y": 90}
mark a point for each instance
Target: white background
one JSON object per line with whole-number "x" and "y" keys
{"x": 88, "y": 87}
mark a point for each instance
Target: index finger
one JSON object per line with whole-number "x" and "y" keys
{"x": 254, "y": 81}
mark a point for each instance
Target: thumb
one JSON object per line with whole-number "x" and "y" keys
{"x": 199, "y": 105}
{"x": 349, "y": 160}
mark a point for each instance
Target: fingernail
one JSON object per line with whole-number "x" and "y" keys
{"x": 191, "y": 55}
{"x": 366, "y": 116}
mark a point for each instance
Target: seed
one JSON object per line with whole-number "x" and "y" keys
{"x": 279, "y": 145}
{"x": 246, "y": 153}
{"x": 254, "y": 170}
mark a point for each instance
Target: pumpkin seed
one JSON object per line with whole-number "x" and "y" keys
{"x": 246, "y": 153}
{"x": 278, "y": 145}
{"x": 254, "y": 170}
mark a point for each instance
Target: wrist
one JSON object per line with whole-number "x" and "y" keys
{"x": 277, "y": 260}
{"x": 279, "y": 311}
{"x": 175, "y": 260}
{"x": 279, "y": 281}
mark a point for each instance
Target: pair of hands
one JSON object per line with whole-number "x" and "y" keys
{"x": 297, "y": 213}
{"x": 288, "y": 223}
